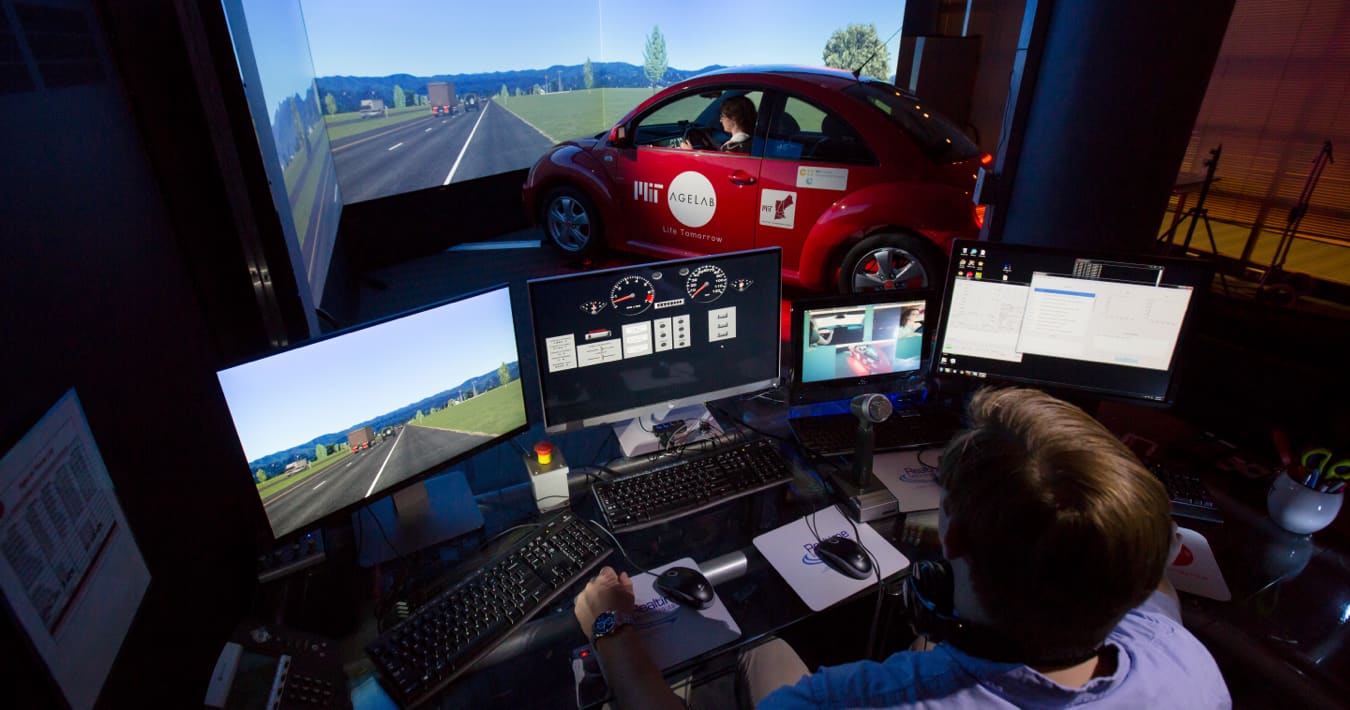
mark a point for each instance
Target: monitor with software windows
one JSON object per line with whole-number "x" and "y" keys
{"x": 333, "y": 423}
{"x": 643, "y": 346}
{"x": 1079, "y": 323}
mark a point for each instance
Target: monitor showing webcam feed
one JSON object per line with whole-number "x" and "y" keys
{"x": 330, "y": 424}
{"x": 857, "y": 343}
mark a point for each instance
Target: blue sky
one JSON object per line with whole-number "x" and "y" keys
{"x": 290, "y": 398}
{"x": 425, "y": 37}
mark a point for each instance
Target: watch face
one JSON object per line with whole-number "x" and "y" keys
{"x": 605, "y": 623}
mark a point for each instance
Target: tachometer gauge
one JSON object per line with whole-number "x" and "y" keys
{"x": 632, "y": 295}
{"x": 593, "y": 307}
{"x": 706, "y": 283}
{"x": 742, "y": 285}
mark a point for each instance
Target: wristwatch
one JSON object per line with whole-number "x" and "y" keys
{"x": 606, "y": 624}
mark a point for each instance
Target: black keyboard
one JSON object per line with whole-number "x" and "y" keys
{"x": 445, "y": 636}
{"x": 664, "y": 494}
{"x": 1190, "y": 498}
{"x": 837, "y": 434}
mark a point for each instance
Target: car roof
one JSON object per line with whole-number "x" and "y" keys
{"x": 835, "y": 77}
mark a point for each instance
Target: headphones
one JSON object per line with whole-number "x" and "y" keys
{"x": 926, "y": 598}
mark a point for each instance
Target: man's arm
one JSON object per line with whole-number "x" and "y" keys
{"x": 629, "y": 670}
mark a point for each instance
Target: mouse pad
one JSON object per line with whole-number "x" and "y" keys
{"x": 791, "y": 551}
{"x": 1195, "y": 570}
{"x": 672, "y": 633}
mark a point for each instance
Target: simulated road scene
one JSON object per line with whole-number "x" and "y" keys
{"x": 411, "y": 450}
{"x": 413, "y": 151}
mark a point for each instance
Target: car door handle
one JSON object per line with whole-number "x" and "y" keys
{"x": 740, "y": 177}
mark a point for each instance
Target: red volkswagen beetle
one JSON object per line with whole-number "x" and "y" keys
{"x": 861, "y": 185}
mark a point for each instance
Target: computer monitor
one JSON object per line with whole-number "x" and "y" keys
{"x": 1075, "y": 322}
{"x": 332, "y": 423}
{"x": 641, "y": 345}
{"x": 854, "y": 344}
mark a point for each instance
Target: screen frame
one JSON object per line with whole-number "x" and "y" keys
{"x": 660, "y": 406}
{"x": 1078, "y": 391}
{"x": 424, "y": 474}
{"x": 800, "y": 392}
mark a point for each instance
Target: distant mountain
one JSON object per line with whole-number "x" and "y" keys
{"x": 349, "y": 90}
{"x": 275, "y": 463}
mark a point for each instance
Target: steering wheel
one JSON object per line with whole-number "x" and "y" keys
{"x": 699, "y": 138}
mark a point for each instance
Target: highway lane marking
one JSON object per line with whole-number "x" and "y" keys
{"x": 385, "y": 463}
{"x": 462, "y": 150}
{"x": 320, "y": 484}
{"x": 428, "y": 130}
{"x": 381, "y": 134}
{"x": 349, "y": 463}
{"x": 395, "y": 146}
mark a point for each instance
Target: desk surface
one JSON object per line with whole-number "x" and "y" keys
{"x": 1286, "y": 628}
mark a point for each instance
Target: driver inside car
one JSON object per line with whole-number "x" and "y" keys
{"x": 738, "y": 119}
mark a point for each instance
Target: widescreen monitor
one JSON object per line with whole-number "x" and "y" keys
{"x": 636, "y": 343}
{"x": 859, "y": 343}
{"x": 329, "y": 424}
{"x": 1066, "y": 320}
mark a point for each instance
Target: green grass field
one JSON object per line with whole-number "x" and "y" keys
{"x": 493, "y": 412}
{"x": 343, "y": 125}
{"x": 280, "y": 483}
{"x": 574, "y": 114}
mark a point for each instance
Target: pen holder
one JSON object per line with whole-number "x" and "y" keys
{"x": 1298, "y": 508}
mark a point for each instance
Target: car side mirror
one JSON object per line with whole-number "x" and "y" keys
{"x": 618, "y": 135}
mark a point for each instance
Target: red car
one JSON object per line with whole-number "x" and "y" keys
{"x": 862, "y": 186}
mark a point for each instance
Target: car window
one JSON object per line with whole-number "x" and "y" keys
{"x": 804, "y": 132}
{"x": 665, "y": 126}
{"x": 936, "y": 135}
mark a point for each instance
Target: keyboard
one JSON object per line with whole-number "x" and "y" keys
{"x": 445, "y": 636}
{"x": 837, "y": 434}
{"x": 1190, "y": 498}
{"x": 660, "y": 495}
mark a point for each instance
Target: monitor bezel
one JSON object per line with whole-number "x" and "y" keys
{"x": 800, "y": 392}
{"x": 421, "y": 476}
{"x": 1075, "y": 391}
{"x": 664, "y": 405}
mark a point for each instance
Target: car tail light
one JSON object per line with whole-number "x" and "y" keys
{"x": 979, "y": 215}
{"x": 986, "y": 159}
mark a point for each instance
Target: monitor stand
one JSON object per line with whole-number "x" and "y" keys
{"x": 671, "y": 429}
{"x": 416, "y": 517}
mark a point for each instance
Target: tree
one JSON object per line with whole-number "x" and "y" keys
{"x": 857, "y": 47}
{"x": 654, "y": 56}
{"x": 330, "y": 102}
{"x": 419, "y": 416}
{"x": 536, "y": 89}
{"x": 505, "y": 94}
{"x": 261, "y": 475}
{"x": 400, "y": 98}
{"x": 588, "y": 74}
{"x": 504, "y": 373}
{"x": 320, "y": 451}
{"x": 517, "y": 91}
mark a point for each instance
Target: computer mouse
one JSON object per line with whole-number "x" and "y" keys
{"x": 685, "y": 586}
{"x": 845, "y": 556}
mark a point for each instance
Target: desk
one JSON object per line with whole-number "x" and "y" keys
{"x": 1283, "y": 637}
{"x": 1287, "y": 628}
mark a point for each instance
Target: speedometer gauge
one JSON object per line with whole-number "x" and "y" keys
{"x": 706, "y": 283}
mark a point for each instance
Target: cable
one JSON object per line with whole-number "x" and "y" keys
{"x": 622, "y": 551}
{"x": 919, "y": 457}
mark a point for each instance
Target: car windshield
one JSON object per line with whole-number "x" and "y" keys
{"x": 937, "y": 136}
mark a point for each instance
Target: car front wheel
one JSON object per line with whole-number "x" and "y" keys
{"x": 572, "y": 222}
{"x": 890, "y": 260}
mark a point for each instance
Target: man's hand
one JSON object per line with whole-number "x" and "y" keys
{"x": 606, "y": 592}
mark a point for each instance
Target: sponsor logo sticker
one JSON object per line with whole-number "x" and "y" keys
{"x": 777, "y": 208}
{"x": 822, "y": 178}
{"x": 647, "y": 191}
{"x": 691, "y": 199}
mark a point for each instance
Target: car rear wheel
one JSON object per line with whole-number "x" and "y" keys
{"x": 572, "y": 222}
{"x": 890, "y": 260}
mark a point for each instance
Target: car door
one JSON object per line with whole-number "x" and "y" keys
{"x": 812, "y": 158}
{"x": 682, "y": 202}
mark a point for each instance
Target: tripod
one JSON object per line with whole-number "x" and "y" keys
{"x": 1198, "y": 214}
{"x": 1277, "y": 284}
